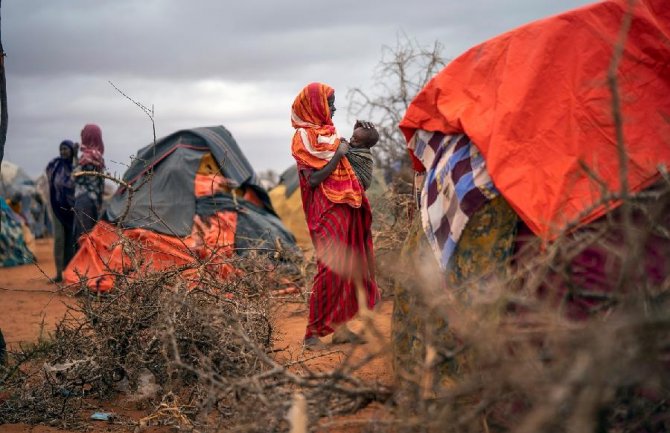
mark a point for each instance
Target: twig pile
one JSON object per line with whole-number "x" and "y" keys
{"x": 192, "y": 346}
{"x": 509, "y": 357}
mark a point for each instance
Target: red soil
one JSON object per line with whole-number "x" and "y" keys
{"x": 33, "y": 305}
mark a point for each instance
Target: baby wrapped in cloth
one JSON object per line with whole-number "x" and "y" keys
{"x": 359, "y": 154}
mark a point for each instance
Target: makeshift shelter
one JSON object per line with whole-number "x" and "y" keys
{"x": 14, "y": 250}
{"x": 520, "y": 139}
{"x": 192, "y": 194}
{"x": 16, "y": 185}
{"x": 14, "y": 179}
{"x": 537, "y": 104}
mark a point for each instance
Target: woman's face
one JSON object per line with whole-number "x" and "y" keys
{"x": 65, "y": 152}
{"x": 331, "y": 105}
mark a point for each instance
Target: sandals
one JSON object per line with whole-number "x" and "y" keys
{"x": 313, "y": 343}
{"x": 345, "y": 335}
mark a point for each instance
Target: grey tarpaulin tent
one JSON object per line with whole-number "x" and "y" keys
{"x": 192, "y": 194}
{"x": 167, "y": 203}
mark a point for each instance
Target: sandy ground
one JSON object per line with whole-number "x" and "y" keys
{"x": 30, "y": 301}
{"x": 32, "y": 306}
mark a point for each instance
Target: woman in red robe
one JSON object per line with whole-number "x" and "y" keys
{"x": 338, "y": 217}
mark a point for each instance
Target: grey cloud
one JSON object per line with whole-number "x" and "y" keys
{"x": 234, "y": 40}
{"x": 61, "y": 55}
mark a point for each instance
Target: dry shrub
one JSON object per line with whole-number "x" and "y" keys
{"x": 497, "y": 355}
{"x": 151, "y": 323}
{"x": 393, "y": 216}
{"x": 512, "y": 353}
{"x": 189, "y": 347}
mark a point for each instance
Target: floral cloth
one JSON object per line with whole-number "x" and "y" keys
{"x": 88, "y": 185}
{"x": 13, "y": 248}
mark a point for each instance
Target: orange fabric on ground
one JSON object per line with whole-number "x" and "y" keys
{"x": 211, "y": 184}
{"x": 101, "y": 254}
{"x": 536, "y": 102}
{"x": 315, "y": 142}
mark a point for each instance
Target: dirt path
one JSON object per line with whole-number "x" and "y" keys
{"x": 33, "y": 305}
{"x": 28, "y": 298}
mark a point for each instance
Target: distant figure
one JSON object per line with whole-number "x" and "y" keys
{"x": 88, "y": 188}
{"x": 61, "y": 197}
{"x": 338, "y": 217}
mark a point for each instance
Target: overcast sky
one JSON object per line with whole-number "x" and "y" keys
{"x": 211, "y": 62}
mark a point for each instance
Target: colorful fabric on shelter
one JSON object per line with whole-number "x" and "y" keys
{"x": 456, "y": 186}
{"x": 342, "y": 240}
{"x": 315, "y": 142}
{"x": 589, "y": 283}
{"x": 485, "y": 248}
{"x": 537, "y": 104}
{"x": 14, "y": 250}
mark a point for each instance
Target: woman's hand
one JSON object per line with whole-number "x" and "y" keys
{"x": 320, "y": 175}
{"x": 343, "y": 148}
{"x": 364, "y": 124}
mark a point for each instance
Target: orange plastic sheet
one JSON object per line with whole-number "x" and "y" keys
{"x": 211, "y": 184}
{"x": 101, "y": 254}
{"x": 537, "y": 103}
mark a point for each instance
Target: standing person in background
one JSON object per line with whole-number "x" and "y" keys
{"x": 88, "y": 188}
{"x": 61, "y": 198}
{"x": 338, "y": 217}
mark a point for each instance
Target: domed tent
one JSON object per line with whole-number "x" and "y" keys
{"x": 14, "y": 179}
{"x": 192, "y": 194}
{"x": 17, "y": 185}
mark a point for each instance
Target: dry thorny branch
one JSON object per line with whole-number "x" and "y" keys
{"x": 402, "y": 72}
{"x": 198, "y": 352}
{"x": 195, "y": 346}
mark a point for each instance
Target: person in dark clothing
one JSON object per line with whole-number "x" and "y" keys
{"x": 61, "y": 197}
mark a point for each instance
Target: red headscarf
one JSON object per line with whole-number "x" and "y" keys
{"x": 315, "y": 142}
{"x": 92, "y": 147}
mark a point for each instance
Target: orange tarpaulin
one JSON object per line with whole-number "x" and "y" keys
{"x": 536, "y": 102}
{"x": 101, "y": 254}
